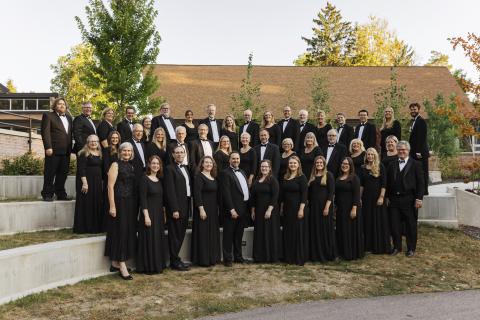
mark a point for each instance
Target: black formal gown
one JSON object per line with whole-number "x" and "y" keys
{"x": 88, "y": 216}
{"x": 275, "y": 135}
{"x": 350, "y": 239}
{"x": 375, "y": 217}
{"x": 248, "y": 162}
{"x": 153, "y": 150}
{"x": 192, "y": 133}
{"x": 107, "y": 159}
{"x": 295, "y": 231}
{"x": 386, "y": 160}
{"x": 358, "y": 162}
{"x": 395, "y": 130}
{"x": 222, "y": 160}
{"x": 152, "y": 242}
{"x": 284, "y": 165}
{"x": 233, "y": 136}
{"x": 266, "y": 232}
{"x": 308, "y": 159}
{"x": 321, "y": 134}
{"x": 205, "y": 233}
{"x": 322, "y": 228}
{"x": 103, "y": 130}
{"x": 121, "y": 239}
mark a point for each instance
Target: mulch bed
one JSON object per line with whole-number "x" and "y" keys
{"x": 473, "y": 232}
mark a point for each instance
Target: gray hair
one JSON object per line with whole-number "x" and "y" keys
{"x": 403, "y": 143}
{"x": 303, "y": 111}
{"x": 246, "y": 134}
{"x": 180, "y": 128}
{"x": 126, "y": 145}
{"x": 201, "y": 125}
{"x": 332, "y": 131}
{"x": 136, "y": 125}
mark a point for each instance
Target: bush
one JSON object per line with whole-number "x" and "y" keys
{"x": 24, "y": 165}
{"x": 460, "y": 169}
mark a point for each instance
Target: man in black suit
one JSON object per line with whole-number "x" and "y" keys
{"x": 165, "y": 121}
{"x": 345, "y": 132}
{"x": 56, "y": 130}
{"x": 269, "y": 151}
{"x": 405, "y": 186}
{"x": 290, "y": 127}
{"x": 200, "y": 147}
{"x": 418, "y": 141}
{"x": 334, "y": 153}
{"x": 180, "y": 134}
{"x": 125, "y": 127}
{"x": 305, "y": 127}
{"x": 139, "y": 162}
{"x": 214, "y": 125}
{"x": 83, "y": 126}
{"x": 365, "y": 131}
{"x": 235, "y": 197}
{"x": 251, "y": 127}
{"x": 179, "y": 194}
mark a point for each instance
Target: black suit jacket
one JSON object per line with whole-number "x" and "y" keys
{"x": 196, "y": 151}
{"x": 418, "y": 139}
{"x": 339, "y": 152}
{"x": 272, "y": 153}
{"x": 292, "y": 131}
{"x": 253, "y": 129}
{"x": 369, "y": 135}
{"x": 54, "y": 135}
{"x": 346, "y": 136}
{"x": 210, "y": 134}
{"x": 176, "y": 191}
{"x": 412, "y": 178}
{"x": 232, "y": 195}
{"x": 82, "y": 128}
{"x": 306, "y": 129}
{"x": 123, "y": 127}
{"x": 137, "y": 160}
{"x": 158, "y": 122}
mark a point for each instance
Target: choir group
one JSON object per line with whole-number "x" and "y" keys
{"x": 311, "y": 192}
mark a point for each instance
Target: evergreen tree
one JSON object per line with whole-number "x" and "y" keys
{"x": 319, "y": 94}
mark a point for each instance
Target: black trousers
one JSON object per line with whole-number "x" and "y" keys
{"x": 176, "y": 233}
{"x": 54, "y": 175}
{"x": 402, "y": 208}
{"x": 233, "y": 234}
{"x": 425, "y": 173}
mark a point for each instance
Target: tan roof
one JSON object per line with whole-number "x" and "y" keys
{"x": 351, "y": 88}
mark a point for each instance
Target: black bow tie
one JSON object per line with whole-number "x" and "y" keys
{"x": 362, "y": 124}
{"x": 331, "y": 145}
{"x": 166, "y": 118}
{"x": 129, "y": 122}
{"x": 302, "y": 124}
{"x": 182, "y": 165}
{"x": 341, "y": 126}
{"x": 204, "y": 139}
{"x": 264, "y": 145}
{"x": 180, "y": 144}
{"x": 401, "y": 161}
{"x": 62, "y": 115}
{"x": 235, "y": 170}
{"x": 137, "y": 141}
{"x": 211, "y": 120}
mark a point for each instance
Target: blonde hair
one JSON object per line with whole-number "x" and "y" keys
{"x": 288, "y": 140}
{"x": 388, "y": 124}
{"x": 86, "y": 151}
{"x": 224, "y": 122}
{"x": 323, "y": 173}
{"x": 220, "y": 143}
{"x": 288, "y": 173}
{"x": 106, "y": 110}
{"x": 359, "y": 141}
{"x": 310, "y": 134}
{"x": 161, "y": 145}
{"x": 264, "y": 123}
{"x": 375, "y": 166}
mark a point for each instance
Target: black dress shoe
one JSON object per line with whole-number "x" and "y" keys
{"x": 394, "y": 252}
{"x": 227, "y": 263}
{"x": 410, "y": 253}
{"x": 129, "y": 277}
{"x": 239, "y": 260}
{"x": 179, "y": 267}
{"x": 47, "y": 199}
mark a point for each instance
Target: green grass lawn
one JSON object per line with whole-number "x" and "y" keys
{"x": 446, "y": 260}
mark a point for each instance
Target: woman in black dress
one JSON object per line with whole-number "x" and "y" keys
{"x": 309, "y": 153}
{"x": 110, "y": 153}
{"x": 248, "y": 158}
{"x": 205, "y": 250}
{"x": 322, "y": 128}
{"x": 147, "y": 125}
{"x": 105, "y": 126}
{"x": 152, "y": 242}
{"x": 192, "y": 132}
{"x": 294, "y": 193}
{"x": 88, "y": 216}
{"x": 287, "y": 146}
{"x": 350, "y": 239}
{"x": 158, "y": 146}
{"x": 375, "y": 219}
{"x": 391, "y": 154}
{"x": 229, "y": 129}
{"x": 273, "y": 129}
{"x": 390, "y": 127}
{"x": 222, "y": 154}
{"x": 122, "y": 223}
{"x": 321, "y": 188}
{"x": 357, "y": 153}
{"x": 264, "y": 211}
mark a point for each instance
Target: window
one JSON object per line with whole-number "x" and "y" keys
{"x": 31, "y": 104}
{"x": 43, "y": 104}
{"x": 5, "y": 104}
{"x": 17, "y": 104}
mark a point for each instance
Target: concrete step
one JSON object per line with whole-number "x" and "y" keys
{"x": 28, "y": 187}
{"x": 439, "y": 207}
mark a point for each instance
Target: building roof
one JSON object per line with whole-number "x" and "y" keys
{"x": 350, "y": 88}
{"x": 3, "y": 89}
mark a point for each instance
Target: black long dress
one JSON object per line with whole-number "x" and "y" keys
{"x": 284, "y": 165}
{"x": 307, "y": 160}
{"x": 248, "y": 162}
{"x": 275, "y": 135}
{"x": 395, "y": 130}
{"x": 375, "y": 217}
{"x": 322, "y": 135}
{"x": 222, "y": 160}
{"x": 386, "y": 160}
{"x": 266, "y": 232}
{"x": 350, "y": 239}
{"x": 322, "y": 228}
{"x": 153, "y": 150}
{"x": 233, "y": 136}
{"x": 121, "y": 239}
{"x": 152, "y": 242}
{"x": 205, "y": 233}
{"x": 295, "y": 231}
{"x": 103, "y": 130}
{"x": 358, "y": 162}
{"x": 192, "y": 133}
{"x": 88, "y": 216}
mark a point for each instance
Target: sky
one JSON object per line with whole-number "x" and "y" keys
{"x": 34, "y": 33}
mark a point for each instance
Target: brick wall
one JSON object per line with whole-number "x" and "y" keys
{"x": 15, "y": 143}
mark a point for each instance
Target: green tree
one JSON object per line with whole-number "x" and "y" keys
{"x": 439, "y": 59}
{"x": 10, "y": 86}
{"x": 319, "y": 94}
{"x": 125, "y": 45}
{"x": 332, "y": 42}
{"x": 376, "y": 45}
{"x": 249, "y": 96}
{"x": 74, "y": 78}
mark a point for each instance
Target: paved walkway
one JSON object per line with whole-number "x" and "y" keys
{"x": 462, "y": 305}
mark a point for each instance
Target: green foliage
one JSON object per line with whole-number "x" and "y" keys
{"x": 249, "y": 96}
{"x": 438, "y": 59}
{"x": 24, "y": 165}
{"x": 319, "y": 94}
{"x": 442, "y": 132}
{"x": 125, "y": 45}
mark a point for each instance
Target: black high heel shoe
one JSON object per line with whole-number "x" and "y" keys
{"x": 115, "y": 269}
{"x": 129, "y": 277}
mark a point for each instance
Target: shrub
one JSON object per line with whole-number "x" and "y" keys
{"x": 24, "y": 165}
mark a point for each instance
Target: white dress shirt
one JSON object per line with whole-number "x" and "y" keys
{"x": 215, "y": 134}
{"x": 187, "y": 180}
{"x": 243, "y": 184}
{"x": 329, "y": 152}
{"x": 360, "y": 131}
{"x": 140, "y": 150}
{"x": 207, "y": 148}
{"x": 402, "y": 163}
{"x": 413, "y": 123}
{"x": 170, "y": 129}
{"x": 302, "y": 125}
{"x": 339, "y": 133}
{"x": 64, "y": 122}
{"x": 245, "y": 127}
{"x": 93, "y": 125}
{"x": 263, "y": 148}
{"x": 185, "y": 160}
{"x": 285, "y": 123}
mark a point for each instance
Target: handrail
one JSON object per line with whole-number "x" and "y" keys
{"x": 20, "y": 126}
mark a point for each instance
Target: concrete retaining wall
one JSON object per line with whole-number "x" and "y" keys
{"x": 35, "y": 216}
{"x": 439, "y": 209}
{"x": 21, "y": 187}
{"x": 468, "y": 208}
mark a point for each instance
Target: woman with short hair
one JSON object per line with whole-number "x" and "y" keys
{"x": 391, "y": 155}
{"x": 287, "y": 147}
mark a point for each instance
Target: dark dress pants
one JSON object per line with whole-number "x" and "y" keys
{"x": 176, "y": 234}
{"x": 54, "y": 175}
{"x": 233, "y": 234}
{"x": 402, "y": 208}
